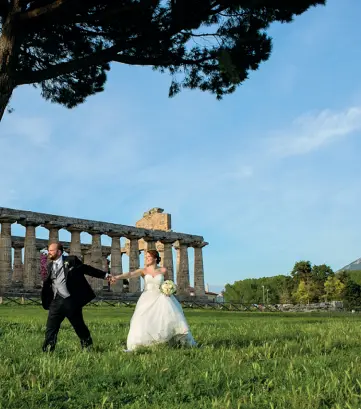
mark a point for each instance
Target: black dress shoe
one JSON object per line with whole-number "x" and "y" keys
{"x": 86, "y": 343}
{"x": 48, "y": 348}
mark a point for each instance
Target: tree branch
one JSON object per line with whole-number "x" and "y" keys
{"x": 40, "y": 11}
{"x": 97, "y": 58}
{"x": 4, "y": 8}
{"x": 170, "y": 60}
{"x": 105, "y": 56}
{"x": 202, "y": 35}
{"x": 112, "y": 10}
{"x": 109, "y": 12}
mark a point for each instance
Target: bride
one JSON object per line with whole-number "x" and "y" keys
{"x": 157, "y": 318}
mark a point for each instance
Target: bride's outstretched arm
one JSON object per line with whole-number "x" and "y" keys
{"x": 131, "y": 274}
{"x": 164, "y": 271}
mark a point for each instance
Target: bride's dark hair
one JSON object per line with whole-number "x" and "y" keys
{"x": 155, "y": 255}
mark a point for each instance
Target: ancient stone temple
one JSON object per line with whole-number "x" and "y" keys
{"x": 20, "y": 256}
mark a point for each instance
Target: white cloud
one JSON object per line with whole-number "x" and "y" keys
{"x": 313, "y": 131}
{"x": 113, "y": 164}
{"x": 133, "y": 164}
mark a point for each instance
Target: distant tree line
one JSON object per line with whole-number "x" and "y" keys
{"x": 306, "y": 284}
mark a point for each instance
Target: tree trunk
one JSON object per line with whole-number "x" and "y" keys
{"x": 6, "y": 90}
{"x": 9, "y": 50}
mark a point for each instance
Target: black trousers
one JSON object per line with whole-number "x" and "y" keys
{"x": 61, "y": 308}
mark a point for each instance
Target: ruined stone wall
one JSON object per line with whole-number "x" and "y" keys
{"x": 153, "y": 231}
{"x": 155, "y": 219}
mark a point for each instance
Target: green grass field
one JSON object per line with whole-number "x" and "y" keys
{"x": 246, "y": 360}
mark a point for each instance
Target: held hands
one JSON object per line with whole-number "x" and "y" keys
{"x": 131, "y": 274}
{"x": 111, "y": 279}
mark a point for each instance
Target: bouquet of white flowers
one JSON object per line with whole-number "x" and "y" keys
{"x": 168, "y": 288}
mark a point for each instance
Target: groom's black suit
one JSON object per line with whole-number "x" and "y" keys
{"x": 78, "y": 294}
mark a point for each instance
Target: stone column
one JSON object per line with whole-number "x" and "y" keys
{"x": 53, "y": 232}
{"x": 18, "y": 269}
{"x": 199, "y": 286}
{"x": 75, "y": 243}
{"x": 149, "y": 244}
{"x": 105, "y": 260}
{"x": 87, "y": 259}
{"x": 86, "y": 255}
{"x": 182, "y": 268}
{"x": 96, "y": 251}
{"x": 105, "y": 268}
{"x": 96, "y": 259}
{"x": 116, "y": 266}
{"x": 134, "y": 283}
{"x": 38, "y": 279}
{"x": 5, "y": 254}
{"x": 30, "y": 256}
{"x": 166, "y": 254}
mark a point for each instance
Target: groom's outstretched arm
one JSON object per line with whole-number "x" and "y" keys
{"x": 93, "y": 272}
{"x": 86, "y": 269}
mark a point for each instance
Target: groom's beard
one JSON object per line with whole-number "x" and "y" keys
{"x": 53, "y": 257}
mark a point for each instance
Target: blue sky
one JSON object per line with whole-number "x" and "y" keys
{"x": 269, "y": 176}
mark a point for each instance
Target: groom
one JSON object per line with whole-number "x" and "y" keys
{"x": 65, "y": 292}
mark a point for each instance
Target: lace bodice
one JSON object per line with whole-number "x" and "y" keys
{"x": 152, "y": 283}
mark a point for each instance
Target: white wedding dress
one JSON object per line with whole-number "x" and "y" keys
{"x": 157, "y": 318}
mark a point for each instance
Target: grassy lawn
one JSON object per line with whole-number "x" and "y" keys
{"x": 246, "y": 360}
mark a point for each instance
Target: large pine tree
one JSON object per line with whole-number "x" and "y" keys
{"x": 65, "y": 46}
